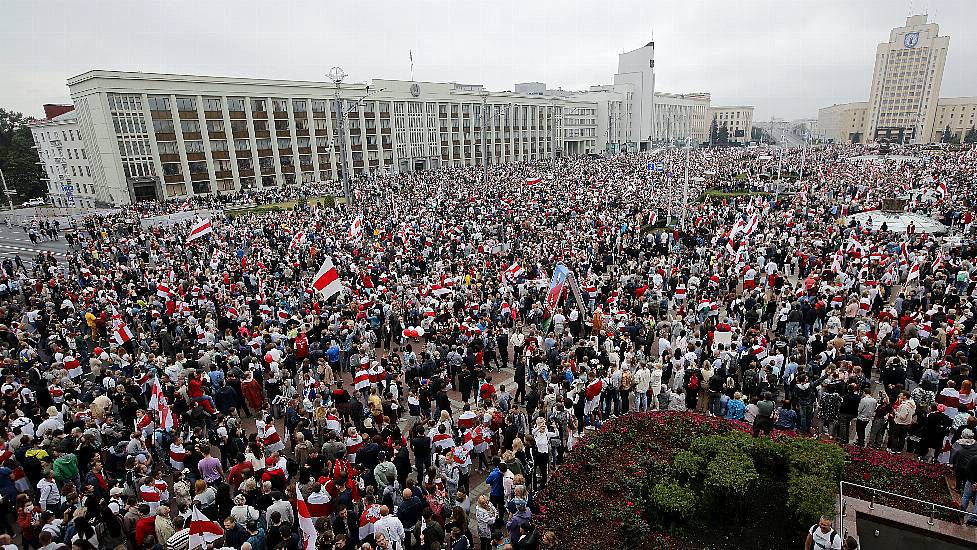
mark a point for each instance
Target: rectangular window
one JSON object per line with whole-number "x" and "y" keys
{"x": 281, "y": 124}
{"x": 301, "y": 124}
{"x": 266, "y": 162}
{"x": 320, "y": 106}
{"x": 212, "y": 104}
{"x": 238, "y": 125}
{"x": 354, "y": 140}
{"x": 215, "y": 125}
{"x": 218, "y": 145}
{"x": 257, "y": 105}
{"x": 244, "y": 164}
{"x": 263, "y": 143}
{"x": 190, "y": 126}
{"x": 321, "y": 124}
{"x": 163, "y": 126}
{"x": 168, "y": 148}
{"x": 198, "y": 167}
{"x": 235, "y": 104}
{"x": 298, "y": 105}
{"x": 304, "y": 142}
{"x": 222, "y": 165}
{"x": 159, "y": 103}
{"x": 186, "y": 104}
{"x": 172, "y": 169}
{"x": 242, "y": 145}
{"x": 284, "y": 143}
{"x": 260, "y": 125}
{"x": 194, "y": 146}
{"x": 280, "y": 105}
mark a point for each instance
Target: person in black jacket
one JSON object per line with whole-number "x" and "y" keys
{"x": 847, "y": 411}
{"x": 345, "y": 523}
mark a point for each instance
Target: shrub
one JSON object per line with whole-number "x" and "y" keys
{"x": 810, "y": 456}
{"x": 810, "y": 496}
{"x": 689, "y": 465}
{"x": 731, "y": 473}
{"x": 673, "y": 500}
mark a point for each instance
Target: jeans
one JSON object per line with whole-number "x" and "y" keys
{"x": 715, "y": 404}
{"x": 804, "y": 414}
{"x": 860, "y": 426}
{"x": 876, "y": 436}
{"x": 625, "y": 401}
{"x": 897, "y": 437}
{"x": 969, "y": 497}
{"x": 641, "y": 401}
{"x": 844, "y": 428}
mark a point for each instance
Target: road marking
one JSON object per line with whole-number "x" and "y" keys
{"x": 32, "y": 250}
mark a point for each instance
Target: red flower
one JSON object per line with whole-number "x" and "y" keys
{"x": 866, "y": 477}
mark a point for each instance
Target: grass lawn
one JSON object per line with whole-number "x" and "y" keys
{"x": 327, "y": 201}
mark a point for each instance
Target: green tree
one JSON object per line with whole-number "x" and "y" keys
{"x": 18, "y": 159}
{"x": 722, "y": 136}
{"x": 713, "y": 131}
{"x": 756, "y": 134}
{"x": 971, "y": 136}
{"x": 947, "y": 135}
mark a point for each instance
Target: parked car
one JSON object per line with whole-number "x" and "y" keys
{"x": 34, "y": 202}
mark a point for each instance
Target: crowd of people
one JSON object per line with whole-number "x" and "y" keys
{"x": 152, "y": 383}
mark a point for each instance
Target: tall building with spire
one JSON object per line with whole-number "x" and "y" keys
{"x": 906, "y": 83}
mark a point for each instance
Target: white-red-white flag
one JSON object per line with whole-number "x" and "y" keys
{"x": 326, "y": 280}
{"x": 356, "y": 229}
{"x": 199, "y": 229}
{"x": 297, "y": 240}
{"x": 913, "y": 272}
{"x": 203, "y": 530}
{"x": 163, "y": 290}
{"x": 157, "y": 403}
{"x": 533, "y": 181}
{"x": 122, "y": 333}
{"x": 305, "y": 519}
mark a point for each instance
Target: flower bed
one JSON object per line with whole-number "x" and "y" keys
{"x": 668, "y": 480}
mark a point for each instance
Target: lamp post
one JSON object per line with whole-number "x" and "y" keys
{"x": 485, "y": 119}
{"x": 780, "y": 164}
{"x": 685, "y": 187}
{"x": 336, "y": 74}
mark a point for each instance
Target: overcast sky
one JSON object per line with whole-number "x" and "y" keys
{"x": 786, "y": 57}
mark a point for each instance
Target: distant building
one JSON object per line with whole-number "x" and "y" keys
{"x": 681, "y": 116}
{"x": 62, "y": 152}
{"x": 843, "y": 123}
{"x": 531, "y": 88}
{"x": 737, "y": 120}
{"x": 637, "y": 70}
{"x": 906, "y": 83}
{"x": 959, "y": 114}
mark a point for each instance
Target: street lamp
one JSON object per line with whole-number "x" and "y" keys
{"x": 485, "y": 118}
{"x": 685, "y": 187}
{"x": 336, "y": 74}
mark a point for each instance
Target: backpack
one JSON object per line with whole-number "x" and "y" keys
{"x": 694, "y": 382}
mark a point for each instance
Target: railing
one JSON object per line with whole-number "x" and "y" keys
{"x": 932, "y": 506}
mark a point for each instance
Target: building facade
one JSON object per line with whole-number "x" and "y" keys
{"x": 61, "y": 151}
{"x": 161, "y": 136}
{"x": 906, "y": 83}
{"x": 843, "y": 123}
{"x": 738, "y": 121}
{"x": 636, "y": 69}
{"x": 958, "y": 114}
{"x": 682, "y": 116}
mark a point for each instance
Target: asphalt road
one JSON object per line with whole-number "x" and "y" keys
{"x": 14, "y": 240}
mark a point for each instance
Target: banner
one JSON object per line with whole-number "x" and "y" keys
{"x": 560, "y": 273}
{"x": 577, "y": 295}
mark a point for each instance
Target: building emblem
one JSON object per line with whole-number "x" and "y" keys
{"x": 415, "y": 90}
{"x": 911, "y": 39}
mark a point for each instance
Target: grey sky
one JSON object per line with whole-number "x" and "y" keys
{"x": 786, "y": 57}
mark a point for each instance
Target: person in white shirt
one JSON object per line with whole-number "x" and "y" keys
{"x": 48, "y": 493}
{"x": 55, "y": 421}
{"x": 642, "y": 381}
{"x": 822, "y": 536}
{"x": 391, "y": 528}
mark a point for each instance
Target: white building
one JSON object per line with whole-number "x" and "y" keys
{"x": 959, "y": 114}
{"x": 637, "y": 70}
{"x": 612, "y": 118}
{"x": 682, "y": 116}
{"x": 738, "y": 121}
{"x": 162, "y": 136}
{"x": 906, "y": 83}
{"x": 67, "y": 172}
{"x": 843, "y": 123}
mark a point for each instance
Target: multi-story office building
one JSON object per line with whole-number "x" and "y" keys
{"x": 161, "y": 136}
{"x": 61, "y": 151}
{"x": 956, "y": 114}
{"x": 906, "y": 83}
{"x": 613, "y": 117}
{"x": 682, "y": 116}
{"x": 636, "y": 69}
{"x": 737, "y": 120}
{"x": 843, "y": 123}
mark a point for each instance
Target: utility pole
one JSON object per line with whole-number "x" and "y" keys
{"x": 803, "y": 155}
{"x": 780, "y": 164}
{"x": 485, "y": 119}
{"x": 6, "y": 192}
{"x": 685, "y": 188}
{"x": 336, "y": 74}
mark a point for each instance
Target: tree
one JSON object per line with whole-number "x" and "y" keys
{"x": 971, "y": 136}
{"x": 18, "y": 159}
{"x": 947, "y": 135}
{"x": 756, "y": 134}
{"x": 722, "y": 136}
{"x": 713, "y": 131}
